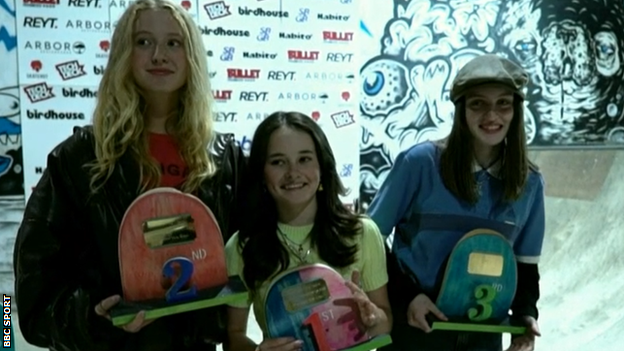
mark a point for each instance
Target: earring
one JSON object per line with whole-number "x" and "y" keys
{"x": 320, "y": 188}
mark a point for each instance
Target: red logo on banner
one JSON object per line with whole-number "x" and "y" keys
{"x": 222, "y": 94}
{"x": 346, "y": 95}
{"x": 36, "y": 65}
{"x": 337, "y": 36}
{"x": 41, "y": 2}
{"x": 299, "y": 55}
{"x": 105, "y": 45}
{"x": 186, "y": 4}
{"x": 238, "y": 73}
{"x": 316, "y": 115}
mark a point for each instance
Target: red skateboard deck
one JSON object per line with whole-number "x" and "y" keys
{"x": 171, "y": 257}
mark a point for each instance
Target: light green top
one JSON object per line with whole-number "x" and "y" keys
{"x": 370, "y": 261}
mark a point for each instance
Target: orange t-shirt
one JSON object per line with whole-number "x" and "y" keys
{"x": 165, "y": 150}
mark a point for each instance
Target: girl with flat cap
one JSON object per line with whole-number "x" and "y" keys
{"x": 438, "y": 191}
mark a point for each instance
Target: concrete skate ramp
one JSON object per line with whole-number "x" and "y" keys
{"x": 582, "y": 303}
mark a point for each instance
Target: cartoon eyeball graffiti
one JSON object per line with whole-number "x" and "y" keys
{"x": 384, "y": 87}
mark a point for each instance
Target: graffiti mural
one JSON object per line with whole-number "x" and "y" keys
{"x": 573, "y": 52}
{"x": 11, "y": 175}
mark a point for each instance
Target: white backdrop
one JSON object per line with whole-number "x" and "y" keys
{"x": 263, "y": 56}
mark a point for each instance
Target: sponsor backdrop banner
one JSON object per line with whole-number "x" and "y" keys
{"x": 263, "y": 56}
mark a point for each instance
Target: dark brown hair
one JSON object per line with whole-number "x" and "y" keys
{"x": 456, "y": 160}
{"x": 262, "y": 252}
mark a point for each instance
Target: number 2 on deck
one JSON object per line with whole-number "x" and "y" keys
{"x": 182, "y": 269}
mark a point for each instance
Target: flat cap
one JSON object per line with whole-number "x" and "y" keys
{"x": 486, "y": 69}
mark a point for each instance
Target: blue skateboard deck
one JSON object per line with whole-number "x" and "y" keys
{"x": 479, "y": 285}
{"x": 313, "y": 304}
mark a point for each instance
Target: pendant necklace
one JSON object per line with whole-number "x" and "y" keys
{"x": 296, "y": 249}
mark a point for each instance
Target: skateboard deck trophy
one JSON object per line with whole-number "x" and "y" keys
{"x": 479, "y": 285}
{"x": 171, "y": 258}
{"x": 313, "y": 304}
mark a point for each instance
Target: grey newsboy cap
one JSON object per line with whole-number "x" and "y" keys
{"x": 489, "y": 68}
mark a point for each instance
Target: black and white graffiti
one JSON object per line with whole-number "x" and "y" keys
{"x": 573, "y": 51}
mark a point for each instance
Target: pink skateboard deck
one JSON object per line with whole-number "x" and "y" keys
{"x": 313, "y": 304}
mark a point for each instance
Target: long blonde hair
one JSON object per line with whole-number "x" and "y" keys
{"x": 118, "y": 121}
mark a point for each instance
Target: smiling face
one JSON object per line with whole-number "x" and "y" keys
{"x": 292, "y": 173}
{"x": 489, "y": 111}
{"x": 158, "y": 55}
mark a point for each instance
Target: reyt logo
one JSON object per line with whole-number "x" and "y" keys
{"x": 259, "y": 55}
{"x": 299, "y": 96}
{"x": 40, "y": 22}
{"x": 339, "y": 57}
{"x": 337, "y": 37}
{"x": 70, "y": 70}
{"x": 50, "y": 114}
{"x": 38, "y": 92}
{"x": 219, "y": 31}
{"x": 296, "y": 36}
{"x": 98, "y": 70}
{"x": 281, "y": 75}
{"x": 222, "y": 95}
{"x": 239, "y": 74}
{"x": 217, "y": 9}
{"x": 254, "y": 96}
{"x": 302, "y": 56}
{"x": 94, "y": 4}
{"x": 225, "y": 117}
{"x": 326, "y": 17}
{"x": 260, "y": 12}
{"x": 41, "y": 3}
{"x": 342, "y": 119}
{"x": 88, "y": 26}
{"x": 83, "y": 93}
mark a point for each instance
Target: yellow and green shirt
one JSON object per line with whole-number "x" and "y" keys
{"x": 370, "y": 261}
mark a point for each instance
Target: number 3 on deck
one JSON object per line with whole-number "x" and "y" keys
{"x": 182, "y": 269}
{"x": 485, "y": 294}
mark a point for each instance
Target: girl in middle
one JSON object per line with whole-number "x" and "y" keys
{"x": 295, "y": 217}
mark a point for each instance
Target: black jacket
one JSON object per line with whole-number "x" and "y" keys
{"x": 66, "y": 253}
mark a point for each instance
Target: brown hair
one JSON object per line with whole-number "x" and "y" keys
{"x": 457, "y": 158}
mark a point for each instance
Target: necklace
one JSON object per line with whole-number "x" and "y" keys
{"x": 296, "y": 249}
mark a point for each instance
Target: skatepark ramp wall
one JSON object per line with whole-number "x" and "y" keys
{"x": 582, "y": 265}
